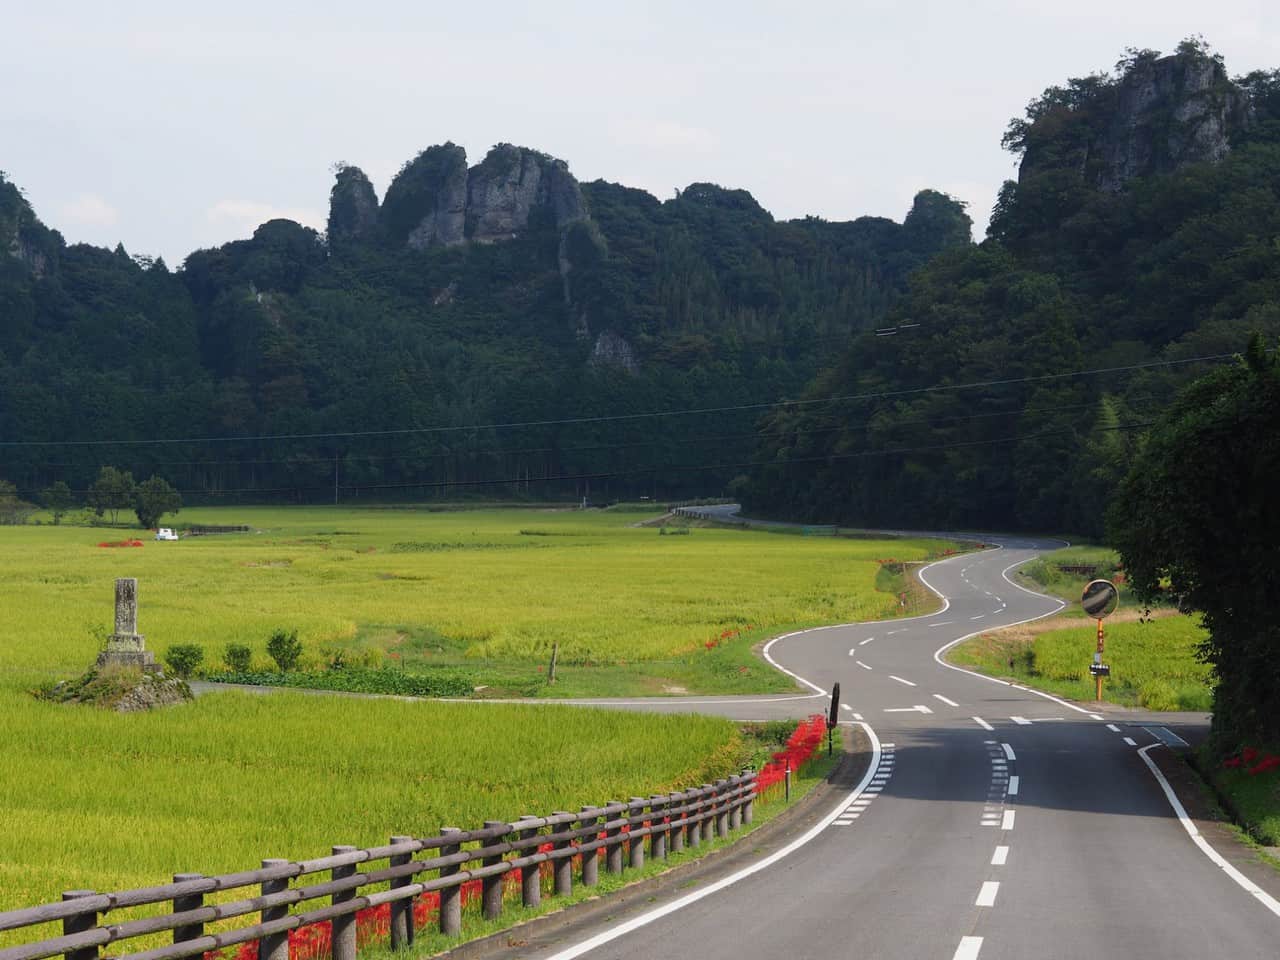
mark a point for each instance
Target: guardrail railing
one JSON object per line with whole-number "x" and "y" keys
{"x": 282, "y": 893}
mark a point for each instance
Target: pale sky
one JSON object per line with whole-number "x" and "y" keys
{"x": 169, "y": 130}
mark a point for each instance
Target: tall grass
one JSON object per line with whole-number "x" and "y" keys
{"x": 93, "y": 799}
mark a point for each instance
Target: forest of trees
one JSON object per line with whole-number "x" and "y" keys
{"x": 939, "y": 383}
{"x": 1180, "y": 263}
{"x": 285, "y": 364}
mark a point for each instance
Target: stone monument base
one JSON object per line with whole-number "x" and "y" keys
{"x": 128, "y": 652}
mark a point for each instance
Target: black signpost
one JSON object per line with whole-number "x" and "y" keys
{"x": 832, "y": 714}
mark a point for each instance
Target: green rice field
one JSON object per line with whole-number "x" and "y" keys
{"x": 94, "y": 799}
{"x": 1153, "y": 664}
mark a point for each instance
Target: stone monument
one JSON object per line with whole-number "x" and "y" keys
{"x": 126, "y": 647}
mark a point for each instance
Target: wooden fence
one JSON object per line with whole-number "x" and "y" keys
{"x": 618, "y": 830}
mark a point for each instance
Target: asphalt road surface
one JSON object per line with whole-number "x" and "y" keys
{"x": 994, "y": 822}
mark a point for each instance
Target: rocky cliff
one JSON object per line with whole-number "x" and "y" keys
{"x": 1169, "y": 113}
{"x": 353, "y": 207}
{"x": 1159, "y": 115}
{"x": 435, "y": 200}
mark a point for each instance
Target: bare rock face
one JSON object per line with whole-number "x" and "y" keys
{"x": 504, "y": 188}
{"x": 612, "y": 350}
{"x": 426, "y": 202}
{"x": 353, "y": 207}
{"x": 1170, "y": 112}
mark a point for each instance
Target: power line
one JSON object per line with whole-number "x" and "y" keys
{"x": 881, "y": 420}
{"x": 623, "y": 417}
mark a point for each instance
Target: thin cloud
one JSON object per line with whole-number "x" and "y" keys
{"x": 245, "y": 216}
{"x": 89, "y": 210}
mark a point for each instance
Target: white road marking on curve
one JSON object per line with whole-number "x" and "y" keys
{"x": 1000, "y": 857}
{"x": 1130, "y": 741}
{"x": 900, "y": 680}
{"x": 948, "y": 702}
{"x": 1113, "y": 728}
{"x": 1261, "y": 895}
{"x": 862, "y": 643}
{"x": 864, "y": 666}
{"x": 968, "y": 949}
{"x": 1013, "y": 786}
{"x": 1007, "y": 822}
{"x": 987, "y": 895}
{"x": 1008, "y": 751}
{"x": 983, "y": 724}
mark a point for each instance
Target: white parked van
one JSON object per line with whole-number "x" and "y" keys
{"x": 166, "y": 533}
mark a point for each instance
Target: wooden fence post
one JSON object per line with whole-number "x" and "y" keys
{"x": 274, "y": 946}
{"x": 79, "y": 923}
{"x": 722, "y": 816}
{"x": 563, "y": 869}
{"x": 590, "y": 858}
{"x": 708, "y": 825}
{"x": 735, "y": 812}
{"x": 677, "y": 824}
{"x": 401, "y": 910}
{"x": 613, "y": 845}
{"x": 658, "y": 839}
{"x": 491, "y": 887}
{"x": 192, "y": 901}
{"x": 637, "y": 843}
{"x": 747, "y": 808}
{"x": 344, "y": 927}
{"x": 531, "y": 876}
{"x": 450, "y": 897}
{"x": 693, "y": 827}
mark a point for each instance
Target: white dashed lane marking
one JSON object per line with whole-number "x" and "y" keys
{"x": 987, "y": 895}
{"x": 859, "y": 806}
{"x": 1130, "y": 741}
{"x": 982, "y": 723}
{"x": 1000, "y": 857}
{"x": 948, "y": 702}
{"x": 968, "y": 949}
{"x": 1007, "y": 822}
{"x": 1113, "y": 728}
{"x": 864, "y": 666}
{"x": 900, "y": 680}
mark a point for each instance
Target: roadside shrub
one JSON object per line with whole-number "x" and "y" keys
{"x": 184, "y": 658}
{"x": 285, "y": 649}
{"x": 237, "y": 657}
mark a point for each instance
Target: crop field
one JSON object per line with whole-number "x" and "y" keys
{"x": 90, "y": 798}
{"x": 633, "y": 611}
{"x": 1153, "y": 664}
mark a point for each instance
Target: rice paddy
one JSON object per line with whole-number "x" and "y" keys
{"x": 93, "y": 799}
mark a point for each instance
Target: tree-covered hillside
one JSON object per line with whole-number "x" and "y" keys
{"x": 504, "y": 293}
{"x": 1143, "y": 231}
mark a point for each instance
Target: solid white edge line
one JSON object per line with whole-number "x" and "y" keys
{"x": 635, "y": 923}
{"x": 968, "y": 949}
{"x": 1193, "y": 832}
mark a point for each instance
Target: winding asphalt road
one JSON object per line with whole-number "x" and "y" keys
{"x": 993, "y": 822}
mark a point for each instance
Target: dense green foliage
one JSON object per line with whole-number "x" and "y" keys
{"x": 1183, "y": 261}
{"x": 184, "y": 658}
{"x": 287, "y": 333}
{"x": 1196, "y": 518}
